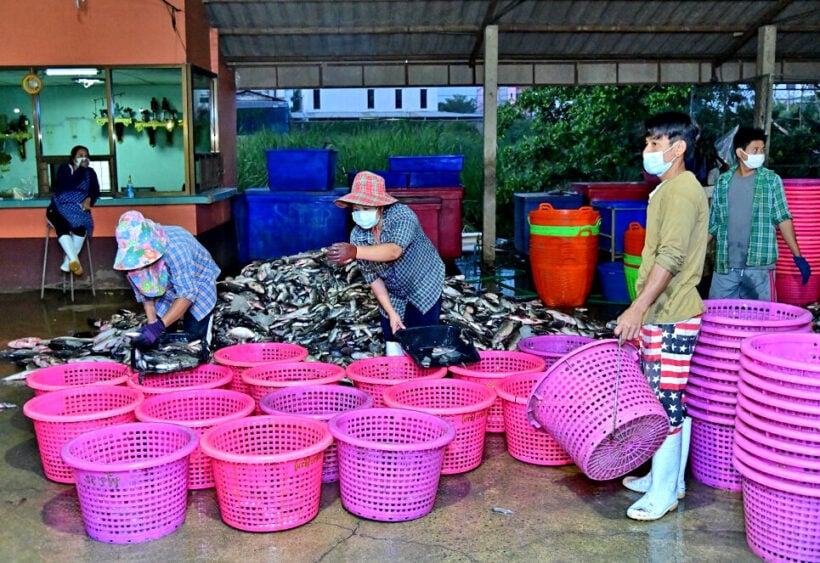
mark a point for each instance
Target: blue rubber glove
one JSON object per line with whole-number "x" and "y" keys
{"x": 803, "y": 265}
{"x": 149, "y": 335}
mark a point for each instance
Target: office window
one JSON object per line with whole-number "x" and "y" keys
{"x": 423, "y": 98}
{"x": 317, "y": 100}
{"x": 398, "y": 98}
{"x": 371, "y": 98}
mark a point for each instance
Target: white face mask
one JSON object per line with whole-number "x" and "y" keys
{"x": 653, "y": 162}
{"x": 79, "y": 161}
{"x": 753, "y": 161}
{"x": 366, "y": 218}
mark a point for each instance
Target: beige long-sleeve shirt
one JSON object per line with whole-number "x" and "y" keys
{"x": 677, "y": 220}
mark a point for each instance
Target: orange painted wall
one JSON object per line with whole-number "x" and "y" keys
{"x": 103, "y": 32}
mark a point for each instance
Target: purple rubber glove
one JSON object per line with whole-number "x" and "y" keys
{"x": 149, "y": 335}
{"x": 803, "y": 265}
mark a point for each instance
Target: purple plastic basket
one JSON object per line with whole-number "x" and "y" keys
{"x": 551, "y": 347}
{"x": 775, "y": 427}
{"x": 132, "y": 479}
{"x": 780, "y": 525}
{"x": 735, "y": 316}
{"x": 791, "y": 353}
{"x": 710, "y": 455}
{"x": 575, "y": 402}
{"x": 767, "y": 379}
{"x": 390, "y": 461}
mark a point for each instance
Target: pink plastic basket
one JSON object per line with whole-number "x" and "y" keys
{"x": 790, "y": 288}
{"x": 390, "y": 461}
{"x": 729, "y": 368}
{"x": 787, "y": 463}
{"x": 268, "y": 470}
{"x": 261, "y": 380}
{"x": 493, "y": 367}
{"x": 706, "y": 394}
{"x": 710, "y": 455}
{"x": 778, "y": 442}
{"x": 61, "y": 415}
{"x": 375, "y": 375}
{"x": 242, "y": 356}
{"x": 768, "y": 379}
{"x": 206, "y": 376}
{"x": 198, "y": 410}
{"x": 575, "y": 403}
{"x": 77, "y": 373}
{"x": 793, "y": 410}
{"x": 749, "y": 467}
{"x": 734, "y": 317}
{"x": 464, "y": 404}
{"x": 775, "y": 421}
{"x": 781, "y": 526}
{"x": 132, "y": 479}
{"x": 524, "y": 442}
{"x": 550, "y": 347}
{"x": 794, "y": 354}
{"x": 321, "y": 402}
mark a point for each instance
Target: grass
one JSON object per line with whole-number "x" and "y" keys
{"x": 365, "y": 145}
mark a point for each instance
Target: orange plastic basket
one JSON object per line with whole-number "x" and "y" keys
{"x": 547, "y": 215}
{"x": 634, "y": 239}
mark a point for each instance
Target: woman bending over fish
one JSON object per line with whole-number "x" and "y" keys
{"x": 395, "y": 257}
{"x": 172, "y": 275}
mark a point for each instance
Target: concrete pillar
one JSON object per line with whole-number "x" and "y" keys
{"x": 490, "y": 143}
{"x": 764, "y": 83}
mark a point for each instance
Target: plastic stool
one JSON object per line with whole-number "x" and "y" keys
{"x": 49, "y": 228}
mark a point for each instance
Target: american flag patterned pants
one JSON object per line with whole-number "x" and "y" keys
{"x": 666, "y": 352}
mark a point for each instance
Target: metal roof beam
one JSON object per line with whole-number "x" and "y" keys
{"x": 765, "y": 19}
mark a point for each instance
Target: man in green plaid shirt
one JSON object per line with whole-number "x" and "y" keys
{"x": 747, "y": 204}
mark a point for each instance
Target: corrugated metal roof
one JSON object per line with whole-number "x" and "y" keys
{"x": 363, "y": 33}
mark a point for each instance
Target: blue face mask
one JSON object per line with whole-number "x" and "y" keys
{"x": 366, "y": 218}
{"x": 653, "y": 162}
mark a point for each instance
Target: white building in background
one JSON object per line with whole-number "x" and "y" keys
{"x": 381, "y": 103}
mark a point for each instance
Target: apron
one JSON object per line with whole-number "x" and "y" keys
{"x": 70, "y": 205}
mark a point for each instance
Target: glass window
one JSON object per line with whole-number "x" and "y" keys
{"x": 18, "y": 163}
{"x": 398, "y": 99}
{"x": 371, "y": 98}
{"x": 423, "y": 98}
{"x": 317, "y": 100}
{"x": 208, "y": 164}
{"x": 148, "y": 128}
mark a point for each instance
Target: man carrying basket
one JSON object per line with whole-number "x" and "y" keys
{"x": 665, "y": 314}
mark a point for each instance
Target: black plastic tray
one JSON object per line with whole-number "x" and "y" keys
{"x": 437, "y": 346}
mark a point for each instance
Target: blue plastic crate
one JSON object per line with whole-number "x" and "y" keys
{"x": 274, "y": 224}
{"x": 523, "y": 203}
{"x": 452, "y": 162}
{"x": 301, "y": 169}
{"x": 435, "y": 179}
{"x": 616, "y": 216}
{"x": 613, "y": 282}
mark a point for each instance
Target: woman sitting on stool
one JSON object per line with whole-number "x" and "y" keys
{"x": 75, "y": 191}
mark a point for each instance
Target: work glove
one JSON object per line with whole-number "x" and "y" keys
{"x": 341, "y": 252}
{"x": 803, "y": 265}
{"x": 149, "y": 335}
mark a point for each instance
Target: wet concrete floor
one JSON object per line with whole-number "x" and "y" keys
{"x": 557, "y": 514}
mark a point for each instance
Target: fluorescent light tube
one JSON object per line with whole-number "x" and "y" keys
{"x": 71, "y": 72}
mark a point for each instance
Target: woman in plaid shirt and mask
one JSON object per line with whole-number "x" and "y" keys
{"x": 396, "y": 258}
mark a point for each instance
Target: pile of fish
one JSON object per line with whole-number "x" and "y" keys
{"x": 306, "y": 300}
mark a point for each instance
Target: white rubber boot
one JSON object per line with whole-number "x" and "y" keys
{"x": 393, "y": 349}
{"x": 661, "y": 497}
{"x": 642, "y": 484}
{"x": 78, "y": 246}
{"x": 67, "y": 245}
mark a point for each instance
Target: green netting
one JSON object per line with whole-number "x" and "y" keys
{"x": 564, "y": 231}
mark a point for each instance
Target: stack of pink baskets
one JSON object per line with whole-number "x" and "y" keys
{"x": 205, "y": 376}
{"x": 240, "y": 357}
{"x": 77, "y": 373}
{"x": 803, "y": 196}
{"x": 711, "y": 393}
{"x": 491, "y": 370}
{"x": 777, "y": 445}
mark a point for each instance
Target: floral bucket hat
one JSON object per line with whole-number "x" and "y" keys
{"x": 368, "y": 191}
{"x": 140, "y": 241}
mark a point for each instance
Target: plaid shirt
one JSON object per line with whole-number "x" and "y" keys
{"x": 417, "y": 276}
{"x": 769, "y": 209}
{"x": 192, "y": 274}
